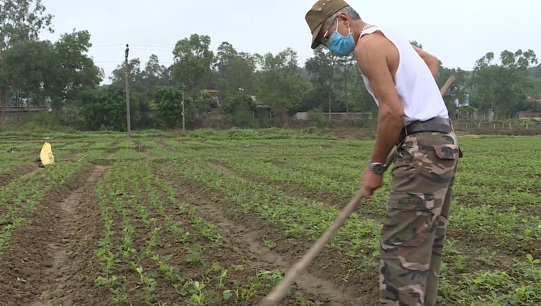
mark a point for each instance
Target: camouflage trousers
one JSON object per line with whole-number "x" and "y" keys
{"x": 413, "y": 232}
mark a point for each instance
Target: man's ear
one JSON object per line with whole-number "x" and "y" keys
{"x": 344, "y": 18}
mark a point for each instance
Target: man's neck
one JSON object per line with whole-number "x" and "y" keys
{"x": 357, "y": 27}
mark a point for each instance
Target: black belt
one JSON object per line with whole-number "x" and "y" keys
{"x": 436, "y": 124}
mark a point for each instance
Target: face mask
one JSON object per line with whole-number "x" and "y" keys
{"x": 341, "y": 45}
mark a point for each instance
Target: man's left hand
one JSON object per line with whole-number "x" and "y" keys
{"x": 370, "y": 182}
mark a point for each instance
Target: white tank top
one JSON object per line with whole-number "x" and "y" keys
{"x": 414, "y": 83}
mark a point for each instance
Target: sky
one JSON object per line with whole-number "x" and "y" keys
{"x": 458, "y": 32}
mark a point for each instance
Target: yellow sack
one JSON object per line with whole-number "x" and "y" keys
{"x": 46, "y": 154}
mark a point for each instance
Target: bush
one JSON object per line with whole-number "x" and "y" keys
{"x": 317, "y": 119}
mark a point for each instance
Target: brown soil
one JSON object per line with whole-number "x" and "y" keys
{"x": 7, "y": 177}
{"x": 55, "y": 269}
{"x": 249, "y": 232}
{"x": 233, "y": 249}
{"x": 245, "y": 239}
{"x": 360, "y": 283}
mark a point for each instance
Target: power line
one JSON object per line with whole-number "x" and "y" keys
{"x": 133, "y": 45}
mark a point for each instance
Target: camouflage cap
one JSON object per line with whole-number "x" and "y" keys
{"x": 321, "y": 11}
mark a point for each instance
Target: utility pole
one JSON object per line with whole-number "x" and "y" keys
{"x": 128, "y": 120}
{"x": 183, "y": 113}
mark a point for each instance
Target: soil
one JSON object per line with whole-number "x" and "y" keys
{"x": 248, "y": 232}
{"x": 50, "y": 260}
{"x": 363, "y": 284}
{"x": 54, "y": 270}
{"x": 7, "y": 177}
{"x": 240, "y": 246}
{"x": 242, "y": 238}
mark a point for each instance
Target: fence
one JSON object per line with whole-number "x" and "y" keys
{"x": 16, "y": 113}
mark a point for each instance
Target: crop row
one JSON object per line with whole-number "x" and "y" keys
{"x": 19, "y": 198}
{"x": 156, "y": 248}
{"x": 303, "y": 220}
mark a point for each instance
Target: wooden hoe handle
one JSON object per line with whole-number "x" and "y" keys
{"x": 447, "y": 84}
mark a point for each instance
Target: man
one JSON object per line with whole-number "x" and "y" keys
{"x": 412, "y": 116}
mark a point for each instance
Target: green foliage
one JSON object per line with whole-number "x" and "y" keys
{"x": 74, "y": 71}
{"x": 535, "y": 90}
{"x": 20, "y": 21}
{"x": 168, "y": 101}
{"x": 536, "y": 71}
{"x": 104, "y": 108}
{"x": 237, "y": 102}
{"x": 34, "y": 72}
{"x": 41, "y": 72}
{"x": 244, "y": 119}
{"x": 458, "y": 93}
{"x": 242, "y": 115}
{"x": 193, "y": 61}
{"x": 317, "y": 118}
{"x": 280, "y": 83}
{"x": 205, "y": 103}
{"x": 27, "y": 64}
{"x": 234, "y": 70}
{"x": 501, "y": 88}
{"x": 39, "y": 124}
{"x": 142, "y": 83}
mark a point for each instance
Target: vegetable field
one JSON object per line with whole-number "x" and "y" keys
{"x": 216, "y": 218}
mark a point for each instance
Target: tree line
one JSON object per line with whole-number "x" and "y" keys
{"x": 252, "y": 90}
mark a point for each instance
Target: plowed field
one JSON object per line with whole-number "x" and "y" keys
{"x": 216, "y": 218}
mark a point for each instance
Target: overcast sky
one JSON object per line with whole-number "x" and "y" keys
{"x": 459, "y": 31}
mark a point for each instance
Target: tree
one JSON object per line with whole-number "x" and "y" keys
{"x": 238, "y": 102}
{"x": 280, "y": 83}
{"x": 240, "y": 107}
{"x": 73, "y": 72}
{"x": 20, "y": 20}
{"x": 500, "y": 88}
{"x": 118, "y": 77}
{"x": 322, "y": 69}
{"x": 168, "y": 101}
{"x": 27, "y": 65}
{"x": 154, "y": 75}
{"x": 234, "y": 70}
{"x": 536, "y": 71}
{"x": 104, "y": 108}
{"x": 193, "y": 61}
{"x": 225, "y": 54}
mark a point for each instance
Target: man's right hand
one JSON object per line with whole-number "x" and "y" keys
{"x": 370, "y": 183}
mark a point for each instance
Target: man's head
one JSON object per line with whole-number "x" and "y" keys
{"x": 325, "y": 15}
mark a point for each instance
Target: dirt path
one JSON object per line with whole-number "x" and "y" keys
{"x": 59, "y": 273}
{"x": 244, "y": 238}
{"x": 323, "y": 283}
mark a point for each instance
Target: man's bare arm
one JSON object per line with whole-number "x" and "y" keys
{"x": 431, "y": 61}
{"x": 372, "y": 56}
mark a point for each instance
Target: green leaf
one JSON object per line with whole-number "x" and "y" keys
{"x": 227, "y": 294}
